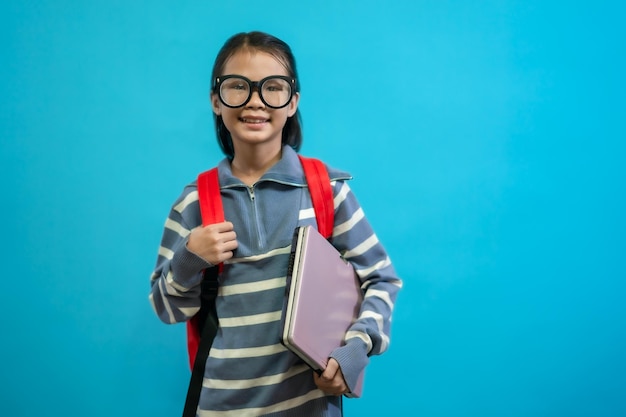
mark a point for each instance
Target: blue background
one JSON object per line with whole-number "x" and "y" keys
{"x": 486, "y": 139}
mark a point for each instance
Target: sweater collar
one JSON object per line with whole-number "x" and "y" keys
{"x": 287, "y": 170}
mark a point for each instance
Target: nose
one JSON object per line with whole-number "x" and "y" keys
{"x": 255, "y": 98}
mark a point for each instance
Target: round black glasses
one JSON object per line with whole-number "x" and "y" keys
{"x": 235, "y": 91}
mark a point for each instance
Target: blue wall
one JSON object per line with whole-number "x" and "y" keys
{"x": 487, "y": 141}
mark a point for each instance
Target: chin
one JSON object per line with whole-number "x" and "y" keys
{"x": 258, "y": 139}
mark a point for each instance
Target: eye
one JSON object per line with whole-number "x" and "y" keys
{"x": 235, "y": 84}
{"x": 275, "y": 85}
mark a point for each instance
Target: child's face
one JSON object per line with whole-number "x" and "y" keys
{"x": 254, "y": 123}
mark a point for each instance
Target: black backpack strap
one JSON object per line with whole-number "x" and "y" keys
{"x": 208, "y": 324}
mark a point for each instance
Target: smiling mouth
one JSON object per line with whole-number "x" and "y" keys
{"x": 253, "y": 121}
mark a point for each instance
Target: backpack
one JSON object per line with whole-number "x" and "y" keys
{"x": 201, "y": 333}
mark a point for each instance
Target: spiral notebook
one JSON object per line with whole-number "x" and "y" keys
{"x": 323, "y": 299}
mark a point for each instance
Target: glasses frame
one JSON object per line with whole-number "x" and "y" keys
{"x": 253, "y": 85}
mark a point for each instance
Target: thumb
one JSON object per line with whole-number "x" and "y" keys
{"x": 331, "y": 369}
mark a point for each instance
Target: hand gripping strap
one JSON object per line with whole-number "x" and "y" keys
{"x": 321, "y": 194}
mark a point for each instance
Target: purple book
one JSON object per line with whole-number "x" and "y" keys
{"x": 323, "y": 299}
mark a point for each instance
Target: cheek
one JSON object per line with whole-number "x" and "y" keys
{"x": 281, "y": 117}
{"x": 229, "y": 117}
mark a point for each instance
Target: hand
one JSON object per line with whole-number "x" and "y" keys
{"x": 214, "y": 243}
{"x": 331, "y": 380}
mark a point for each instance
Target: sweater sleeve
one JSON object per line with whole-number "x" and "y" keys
{"x": 354, "y": 237}
{"x": 175, "y": 281}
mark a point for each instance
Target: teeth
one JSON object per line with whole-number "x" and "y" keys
{"x": 253, "y": 121}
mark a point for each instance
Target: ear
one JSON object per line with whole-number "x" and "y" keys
{"x": 293, "y": 104}
{"x": 216, "y": 104}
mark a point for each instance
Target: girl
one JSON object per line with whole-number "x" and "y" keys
{"x": 249, "y": 372}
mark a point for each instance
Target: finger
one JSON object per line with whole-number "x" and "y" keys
{"x": 323, "y": 384}
{"x": 212, "y": 234}
{"x": 229, "y": 246}
{"x": 228, "y": 237}
{"x": 218, "y": 228}
{"x": 223, "y": 227}
{"x": 331, "y": 370}
{"x": 224, "y": 256}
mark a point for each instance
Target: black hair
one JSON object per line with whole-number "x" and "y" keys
{"x": 263, "y": 42}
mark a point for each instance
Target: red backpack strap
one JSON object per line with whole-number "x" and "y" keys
{"x": 212, "y": 211}
{"x": 209, "y": 197}
{"x": 321, "y": 194}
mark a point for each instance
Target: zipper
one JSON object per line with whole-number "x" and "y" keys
{"x": 260, "y": 238}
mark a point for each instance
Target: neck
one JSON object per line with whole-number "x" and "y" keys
{"x": 251, "y": 163}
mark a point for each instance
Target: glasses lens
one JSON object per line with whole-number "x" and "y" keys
{"x": 276, "y": 92}
{"x": 234, "y": 91}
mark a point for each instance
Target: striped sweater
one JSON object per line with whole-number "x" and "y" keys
{"x": 248, "y": 371}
